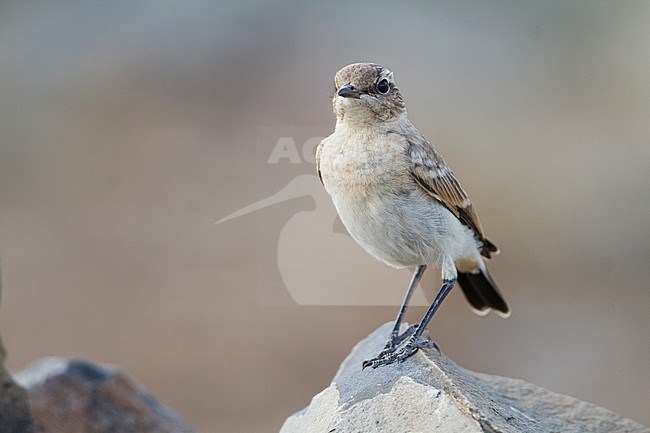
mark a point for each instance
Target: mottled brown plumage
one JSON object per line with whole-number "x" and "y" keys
{"x": 434, "y": 175}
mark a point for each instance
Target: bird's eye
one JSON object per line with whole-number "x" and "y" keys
{"x": 383, "y": 86}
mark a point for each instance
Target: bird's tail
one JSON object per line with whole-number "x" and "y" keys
{"x": 482, "y": 293}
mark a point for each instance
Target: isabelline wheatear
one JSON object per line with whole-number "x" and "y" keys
{"x": 400, "y": 201}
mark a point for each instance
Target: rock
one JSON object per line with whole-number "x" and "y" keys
{"x": 81, "y": 397}
{"x": 14, "y": 410}
{"x": 430, "y": 393}
{"x": 78, "y": 396}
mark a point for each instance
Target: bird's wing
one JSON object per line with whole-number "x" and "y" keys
{"x": 436, "y": 178}
{"x": 318, "y": 153}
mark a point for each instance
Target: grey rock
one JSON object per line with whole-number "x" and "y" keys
{"x": 81, "y": 397}
{"x": 430, "y": 393}
{"x": 14, "y": 409}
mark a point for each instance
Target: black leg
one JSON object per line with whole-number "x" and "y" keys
{"x": 412, "y": 345}
{"x": 395, "y": 338}
{"x": 447, "y": 285}
{"x": 394, "y": 335}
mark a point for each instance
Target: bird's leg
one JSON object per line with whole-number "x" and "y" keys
{"x": 395, "y": 337}
{"x": 413, "y": 343}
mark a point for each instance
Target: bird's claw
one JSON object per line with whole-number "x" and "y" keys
{"x": 395, "y": 340}
{"x": 387, "y": 357}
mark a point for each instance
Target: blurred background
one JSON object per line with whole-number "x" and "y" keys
{"x": 129, "y": 128}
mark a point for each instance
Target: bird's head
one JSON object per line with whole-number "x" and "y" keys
{"x": 365, "y": 93}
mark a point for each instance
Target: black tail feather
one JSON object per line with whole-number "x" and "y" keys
{"x": 482, "y": 292}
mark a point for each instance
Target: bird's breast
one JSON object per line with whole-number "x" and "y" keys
{"x": 378, "y": 201}
{"x": 362, "y": 162}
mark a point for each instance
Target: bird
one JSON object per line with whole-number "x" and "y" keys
{"x": 400, "y": 201}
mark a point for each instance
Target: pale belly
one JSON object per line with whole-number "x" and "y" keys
{"x": 402, "y": 228}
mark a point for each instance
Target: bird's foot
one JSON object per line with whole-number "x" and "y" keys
{"x": 387, "y": 357}
{"x": 396, "y": 339}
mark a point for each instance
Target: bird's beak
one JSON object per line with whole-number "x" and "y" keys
{"x": 349, "y": 92}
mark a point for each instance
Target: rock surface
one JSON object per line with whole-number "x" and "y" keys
{"x": 14, "y": 410}
{"x": 430, "y": 393}
{"x": 81, "y": 397}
